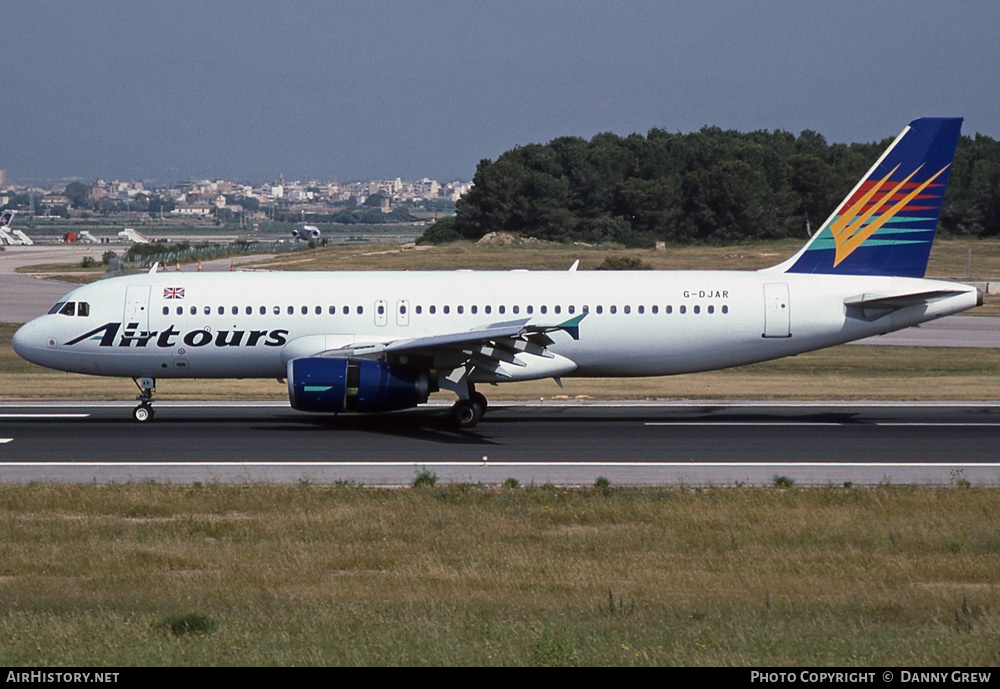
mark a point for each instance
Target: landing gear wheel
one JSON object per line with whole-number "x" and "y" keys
{"x": 480, "y": 399}
{"x": 466, "y": 413}
{"x": 143, "y": 413}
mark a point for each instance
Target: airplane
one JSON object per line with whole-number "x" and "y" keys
{"x": 306, "y": 232}
{"x": 373, "y": 342}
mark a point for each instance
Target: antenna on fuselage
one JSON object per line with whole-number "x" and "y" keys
{"x": 152, "y": 271}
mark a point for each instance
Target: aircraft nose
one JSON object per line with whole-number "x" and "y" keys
{"x": 25, "y": 340}
{"x": 20, "y": 340}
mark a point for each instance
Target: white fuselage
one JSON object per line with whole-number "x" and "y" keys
{"x": 642, "y": 323}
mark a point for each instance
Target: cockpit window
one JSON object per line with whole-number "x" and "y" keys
{"x": 71, "y": 308}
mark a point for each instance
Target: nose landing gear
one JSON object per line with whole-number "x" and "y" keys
{"x": 143, "y": 412}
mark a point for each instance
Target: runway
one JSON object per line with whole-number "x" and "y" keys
{"x": 696, "y": 443}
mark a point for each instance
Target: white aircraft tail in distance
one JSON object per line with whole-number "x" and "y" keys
{"x": 372, "y": 342}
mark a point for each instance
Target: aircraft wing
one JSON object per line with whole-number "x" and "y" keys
{"x": 506, "y": 350}
{"x": 495, "y": 332}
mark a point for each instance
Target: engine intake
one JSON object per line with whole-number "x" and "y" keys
{"x": 319, "y": 384}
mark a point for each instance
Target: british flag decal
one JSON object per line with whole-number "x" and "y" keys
{"x": 173, "y": 292}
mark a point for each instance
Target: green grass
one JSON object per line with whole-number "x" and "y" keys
{"x": 468, "y": 575}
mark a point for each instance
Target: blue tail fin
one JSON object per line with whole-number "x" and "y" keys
{"x": 886, "y": 224}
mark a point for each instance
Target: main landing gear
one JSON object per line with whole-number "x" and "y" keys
{"x": 143, "y": 412}
{"x": 466, "y": 413}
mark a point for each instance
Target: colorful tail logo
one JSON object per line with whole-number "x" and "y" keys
{"x": 886, "y": 225}
{"x": 6, "y": 217}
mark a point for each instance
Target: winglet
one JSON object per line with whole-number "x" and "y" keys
{"x": 572, "y": 326}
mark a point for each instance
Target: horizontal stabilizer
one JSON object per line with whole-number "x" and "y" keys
{"x": 875, "y": 306}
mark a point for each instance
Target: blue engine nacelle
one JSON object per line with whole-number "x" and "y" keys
{"x": 318, "y": 384}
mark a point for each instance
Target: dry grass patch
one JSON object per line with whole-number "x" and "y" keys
{"x": 471, "y": 575}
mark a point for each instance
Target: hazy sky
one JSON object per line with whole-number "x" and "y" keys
{"x": 355, "y": 90}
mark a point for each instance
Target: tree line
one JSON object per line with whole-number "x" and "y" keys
{"x": 709, "y": 186}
